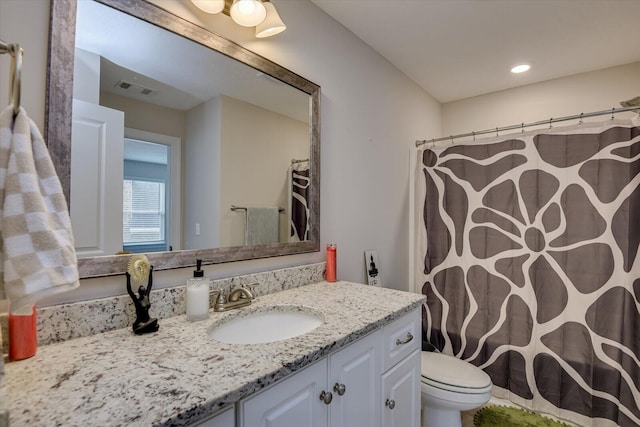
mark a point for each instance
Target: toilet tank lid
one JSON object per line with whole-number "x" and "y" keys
{"x": 448, "y": 370}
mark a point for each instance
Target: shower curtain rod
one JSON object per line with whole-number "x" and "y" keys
{"x": 524, "y": 125}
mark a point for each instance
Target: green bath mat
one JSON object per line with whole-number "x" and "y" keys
{"x": 501, "y": 416}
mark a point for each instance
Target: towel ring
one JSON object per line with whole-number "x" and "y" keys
{"x": 16, "y": 53}
{"x": 16, "y": 77}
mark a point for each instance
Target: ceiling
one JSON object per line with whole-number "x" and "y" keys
{"x": 457, "y": 49}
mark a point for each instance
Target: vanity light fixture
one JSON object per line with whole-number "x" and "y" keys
{"x": 261, "y": 14}
{"x": 520, "y": 68}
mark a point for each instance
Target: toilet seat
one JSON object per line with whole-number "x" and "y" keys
{"x": 448, "y": 387}
{"x": 448, "y": 373}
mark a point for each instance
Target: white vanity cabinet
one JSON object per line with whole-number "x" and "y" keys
{"x": 350, "y": 387}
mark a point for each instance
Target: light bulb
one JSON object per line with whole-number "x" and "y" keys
{"x": 246, "y": 7}
{"x": 209, "y": 6}
{"x": 248, "y": 13}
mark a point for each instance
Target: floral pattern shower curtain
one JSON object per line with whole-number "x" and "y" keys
{"x": 299, "y": 205}
{"x": 528, "y": 253}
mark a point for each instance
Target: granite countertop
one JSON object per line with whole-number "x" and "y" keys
{"x": 179, "y": 375}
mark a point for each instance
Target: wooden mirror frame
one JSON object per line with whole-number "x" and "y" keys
{"x": 58, "y": 130}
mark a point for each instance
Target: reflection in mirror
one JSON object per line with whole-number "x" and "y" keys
{"x": 176, "y": 146}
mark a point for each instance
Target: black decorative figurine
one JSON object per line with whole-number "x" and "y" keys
{"x": 143, "y": 324}
{"x": 373, "y": 271}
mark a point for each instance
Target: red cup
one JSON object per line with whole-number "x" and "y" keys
{"x": 23, "y": 339}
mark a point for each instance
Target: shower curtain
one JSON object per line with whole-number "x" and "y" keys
{"x": 299, "y": 207}
{"x": 528, "y": 253}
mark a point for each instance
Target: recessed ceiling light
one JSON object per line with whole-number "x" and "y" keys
{"x": 520, "y": 68}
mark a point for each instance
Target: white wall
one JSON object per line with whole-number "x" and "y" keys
{"x": 201, "y": 176}
{"x": 581, "y": 93}
{"x": 256, "y": 158}
{"x": 26, "y": 23}
{"x": 146, "y": 116}
{"x": 371, "y": 115}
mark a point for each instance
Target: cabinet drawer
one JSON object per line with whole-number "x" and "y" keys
{"x": 400, "y": 338}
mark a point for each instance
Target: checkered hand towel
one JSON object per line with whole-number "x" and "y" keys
{"x": 37, "y": 255}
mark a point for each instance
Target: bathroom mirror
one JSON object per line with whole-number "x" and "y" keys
{"x": 190, "y": 140}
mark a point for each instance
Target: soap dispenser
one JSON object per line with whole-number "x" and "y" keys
{"x": 197, "y": 295}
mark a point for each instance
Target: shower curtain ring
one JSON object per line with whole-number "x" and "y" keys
{"x": 433, "y": 143}
{"x": 522, "y": 129}
{"x": 497, "y": 135}
{"x": 474, "y": 136}
{"x": 451, "y": 139}
{"x": 612, "y": 110}
{"x": 550, "y": 123}
{"x": 580, "y": 122}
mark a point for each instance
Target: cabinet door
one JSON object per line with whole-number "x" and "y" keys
{"x": 294, "y": 402}
{"x": 401, "y": 393}
{"x": 355, "y": 372}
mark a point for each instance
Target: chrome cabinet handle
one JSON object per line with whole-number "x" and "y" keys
{"x": 409, "y": 339}
{"x": 340, "y": 389}
{"x": 326, "y": 397}
{"x": 390, "y": 403}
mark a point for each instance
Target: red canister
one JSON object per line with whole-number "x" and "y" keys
{"x": 23, "y": 340}
{"x": 331, "y": 262}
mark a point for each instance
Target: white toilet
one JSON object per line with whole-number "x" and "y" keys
{"x": 450, "y": 385}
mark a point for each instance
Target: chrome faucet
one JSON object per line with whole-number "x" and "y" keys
{"x": 240, "y": 297}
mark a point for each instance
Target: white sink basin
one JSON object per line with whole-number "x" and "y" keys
{"x": 266, "y": 324}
